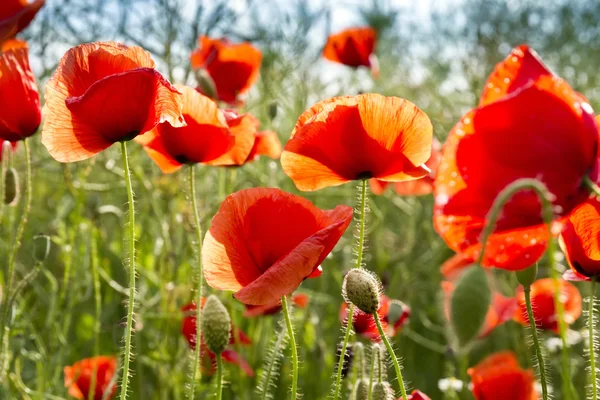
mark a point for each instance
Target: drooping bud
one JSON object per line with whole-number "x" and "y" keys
{"x": 361, "y": 390}
{"x": 361, "y": 288}
{"x": 206, "y": 85}
{"x": 469, "y": 305}
{"x": 11, "y": 187}
{"x": 216, "y": 325}
{"x": 379, "y": 360}
{"x": 41, "y": 247}
{"x": 273, "y": 110}
{"x": 382, "y": 391}
{"x": 527, "y": 276}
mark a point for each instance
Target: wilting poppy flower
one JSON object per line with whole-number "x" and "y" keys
{"x": 416, "y": 187}
{"x": 188, "y": 330}
{"x": 78, "y": 377}
{"x": 393, "y": 315}
{"x": 16, "y": 15}
{"x": 417, "y": 395}
{"x": 529, "y": 124}
{"x": 366, "y": 136}
{"x": 542, "y": 300}
{"x": 13, "y": 145}
{"x": 205, "y": 137}
{"x": 499, "y": 377}
{"x": 233, "y": 67}
{"x": 580, "y": 240}
{"x": 89, "y": 100}
{"x": 354, "y": 47}
{"x": 264, "y": 242}
{"x": 20, "y": 110}
{"x": 300, "y": 300}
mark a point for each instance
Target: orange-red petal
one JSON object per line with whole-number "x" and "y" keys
{"x": 264, "y": 242}
{"x": 88, "y": 103}
{"x": 352, "y": 47}
{"x": 348, "y": 138}
{"x": 243, "y": 128}
{"x": 78, "y": 377}
{"x": 16, "y": 15}
{"x": 20, "y": 110}
{"x": 580, "y": 239}
{"x": 499, "y": 377}
{"x": 266, "y": 143}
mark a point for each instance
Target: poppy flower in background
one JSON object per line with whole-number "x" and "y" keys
{"x": 354, "y": 47}
{"x": 266, "y": 143}
{"x": 208, "y": 358}
{"x": 393, "y": 315}
{"x": 20, "y": 109}
{"x": 300, "y": 300}
{"x": 244, "y": 128}
{"x": 264, "y": 242}
{"x": 205, "y": 137}
{"x": 16, "y": 15}
{"x": 234, "y": 68}
{"x": 499, "y": 377}
{"x": 358, "y": 137}
{"x": 542, "y": 300}
{"x": 89, "y": 102}
{"x": 417, "y": 395}
{"x": 418, "y": 187}
{"x": 529, "y": 124}
{"x": 78, "y": 377}
{"x": 580, "y": 241}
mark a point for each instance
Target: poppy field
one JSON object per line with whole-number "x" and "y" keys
{"x": 247, "y": 200}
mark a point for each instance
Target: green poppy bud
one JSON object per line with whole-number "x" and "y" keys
{"x": 11, "y": 187}
{"x": 216, "y": 325}
{"x": 361, "y": 288}
{"x": 382, "y": 391}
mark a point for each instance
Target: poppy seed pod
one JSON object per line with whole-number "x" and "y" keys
{"x": 361, "y": 288}
{"x": 382, "y": 391}
{"x": 527, "y": 276}
{"x": 361, "y": 390}
{"x": 216, "y": 325}
{"x": 41, "y": 247}
{"x": 11, "y": 187}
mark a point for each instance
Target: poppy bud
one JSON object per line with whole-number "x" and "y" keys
{"x": 469, "y": 305}
{"x": 273, "y": 110}
{"x": 11, "y": 187}
{"x": 206, "y": 85}
{"x": 359, "y": 354}
{"x": 216, "y": 325}
{"x": 382, "y": 391}
{"x": 348, "y": 359}
{"x": 527, "y": 276}
{"x": 361, "y": 390}
{"x": 41, "y": 247}
{"x": 361, "y": 288}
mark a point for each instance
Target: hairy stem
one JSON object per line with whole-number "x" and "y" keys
{"x": 390, "y": 350}
{"x": 219, "y": 377}
{"x": 592, "y": 342}
{"x": 290, "y": 329}
{"x": 536, "y": 342}
{"x": 199, "y": 281}
{"x": 131, "y": 254}
{"x": 98, "y": 304}
{"x": 374, "y": 353}
{"x": 10, "y": 277}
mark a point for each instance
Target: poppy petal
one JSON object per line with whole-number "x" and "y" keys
{"x": 352, "y": 47}
{"x": 243, "y": 128}
{"x": 234, "y": 358}
{"x": 580, "y": 239}
{"x": 16, "y": 15}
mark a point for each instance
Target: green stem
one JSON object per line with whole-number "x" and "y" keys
{"x": 390, "y": 350}
{"x": 374, "y": 354}
{"x": 131, "y": 254}
{"x": 10, "y": 277}
{"x": 359, "y": 258}
{"x": 536, "y": 342}
{"x": 591, "y": 185}
{"x": 199, "y": 281}
{"x": 219, "y": 377}
{"x": 266, "y": 381}
{"x": 3, "y": 168}
{"x": 290, "y": 329}
{"x": 98, "y": 308}
{"x": 592, "y": 344}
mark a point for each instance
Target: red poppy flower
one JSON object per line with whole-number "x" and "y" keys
{"x": 300, "y": 300}
{"x": 20, "y": 110}
{"x": 529, "y": 124}
{"x": 393, "y": 315}
{"x": 16, "y": 15}
{"x": 366, "y": 136}
{"x": 580, "y": 240}
{"x": 499, "y": 377}
{"x": 266, "y": 143}
{"x": 208, "y": 358}
{"x": 264, "y": 242}
{"x": 205, "y": 137}
{"x": 233, "y": 67}
{"x": 354, "y": 47}
{"x": 244, "y": 129}
{"x": 417, "y": 395}
{"x": 13, "y": 145}
{"x": 542, "y": 299}
{"x": 89, "y": 100}
{"x": 417, "y": 187}
{"x": 78, "y": 377}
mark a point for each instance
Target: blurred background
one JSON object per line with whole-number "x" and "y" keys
{"x": 435, "y": 53}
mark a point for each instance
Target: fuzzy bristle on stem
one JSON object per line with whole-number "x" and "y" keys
{"x": 592, "y": 342}
{"x": 536, "y": 343}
